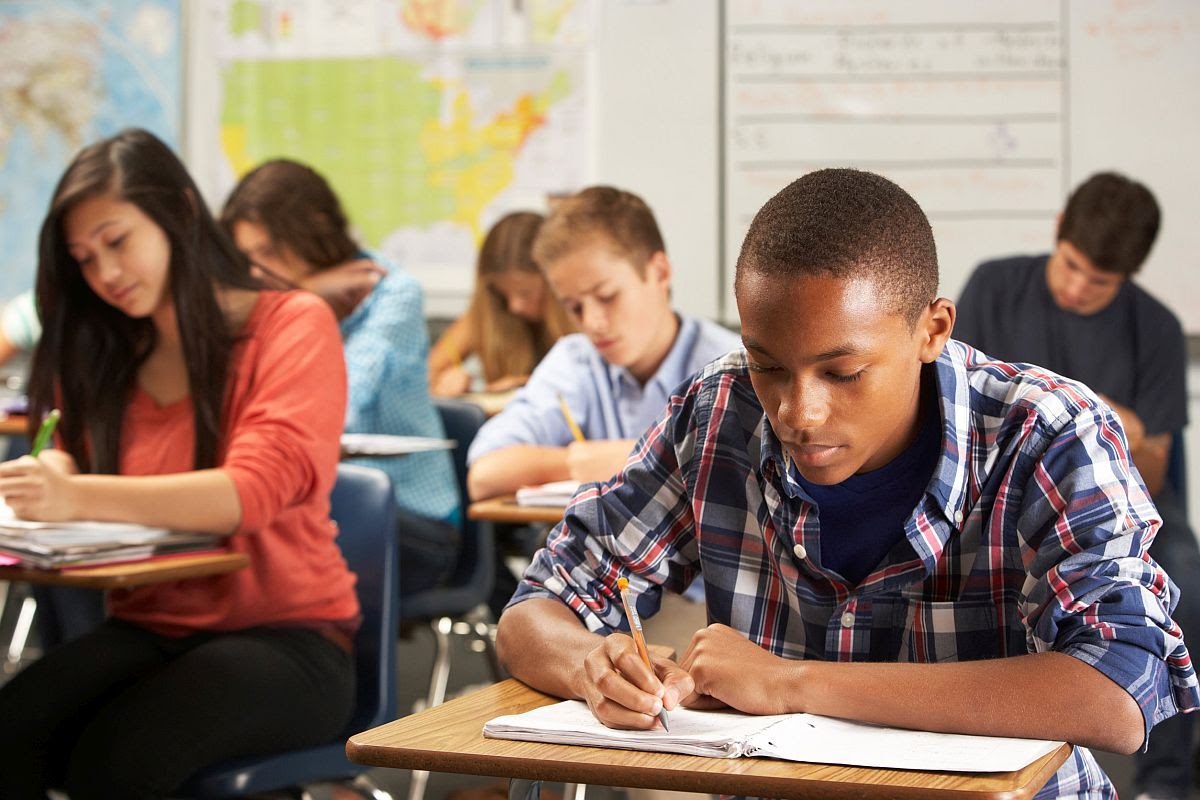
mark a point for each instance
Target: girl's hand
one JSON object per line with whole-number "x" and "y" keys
{"x": 40, "y": 488}
{"x": 452, "y": 382}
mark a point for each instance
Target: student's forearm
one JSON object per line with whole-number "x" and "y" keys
{"x": 205, "y": 500}
{"x": 504, "y": 471}
{"x": 1151, "y": 459}
{"x": 543, "y": 643}
{"x": 1045, "y": 696}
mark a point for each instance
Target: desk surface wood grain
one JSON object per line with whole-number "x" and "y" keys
{"x": 449, "y": 738}
{"x": 505, "y": 509}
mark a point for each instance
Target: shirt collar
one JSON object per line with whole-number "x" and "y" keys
{"x": 674, "y": 369}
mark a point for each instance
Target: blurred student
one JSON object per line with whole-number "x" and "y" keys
{"x": 190, "y": 400}
{"x": 604, "y": 258}
{"x": 1077, "y": 311}
{"x": 19, "y": 326}
{"x": 513, "y": 319}
{"x": 889, "y": 527}
{"x": 287, "y": 220}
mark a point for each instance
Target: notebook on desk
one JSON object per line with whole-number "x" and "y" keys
{"x": 556, "y": 493}
{"x": 790, "y": 737}
{"x": 51, "y": 545}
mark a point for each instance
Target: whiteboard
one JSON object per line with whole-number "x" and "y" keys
{"x": 987, "y": 112}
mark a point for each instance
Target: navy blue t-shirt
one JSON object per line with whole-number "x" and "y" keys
{"x": 862, "y": 518}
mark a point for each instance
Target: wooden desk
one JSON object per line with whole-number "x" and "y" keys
{"x": 13, "y": 425}
{"x": 131, "y": 573}
{"x": 449, "y": 738}
{"x": 505, "y": 509}
{"x": 492, "y": 403}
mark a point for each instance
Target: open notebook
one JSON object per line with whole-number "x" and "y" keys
{"x": 791, "y": 737}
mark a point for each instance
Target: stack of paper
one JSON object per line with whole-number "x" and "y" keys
{"x": 557, "y": 494}
{"x": 379, "y": 444}
{"x": 81, "y": 542}
{"x": 792, "y": 737}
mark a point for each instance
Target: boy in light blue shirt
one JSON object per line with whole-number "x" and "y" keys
{"x": 604, "y": 257}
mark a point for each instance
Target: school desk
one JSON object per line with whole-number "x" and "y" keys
{"x": 449, "y": 738}
{"x": 113, "y": 576}
{"x": 505, "y": 509}
{"x": 13, "y": 425}
{"x": 130, "y": 573}
{"x": 492, "y": 403}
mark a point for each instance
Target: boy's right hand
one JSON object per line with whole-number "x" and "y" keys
{"x": 623, "y": 692}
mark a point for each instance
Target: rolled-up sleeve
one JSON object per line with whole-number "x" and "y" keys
{"x": 1094, "y": 592}
{"x": 534, "y": 417}
{"x": 286, "y": 421}
{"x": 639, "y": 525}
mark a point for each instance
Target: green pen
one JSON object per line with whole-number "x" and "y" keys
{"x": 45, "y": 432}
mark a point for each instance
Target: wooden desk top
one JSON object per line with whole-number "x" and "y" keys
{"x": 12, "y": 425}
{"x": 131, "y": 573}
{"x": 505, "y": 509}
{"x": 492, "y": 403}
{"x": 449, "y": 738}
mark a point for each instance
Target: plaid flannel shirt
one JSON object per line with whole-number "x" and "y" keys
{"x": 1032, "y": 536}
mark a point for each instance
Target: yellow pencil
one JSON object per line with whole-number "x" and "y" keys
{"x": 635, "y": 630}
{"x": 571, "y": 423}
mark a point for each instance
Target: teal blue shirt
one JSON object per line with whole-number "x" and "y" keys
{"x": 387, "y": 354}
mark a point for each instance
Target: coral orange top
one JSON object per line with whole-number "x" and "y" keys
{"x": 283, "y": 419}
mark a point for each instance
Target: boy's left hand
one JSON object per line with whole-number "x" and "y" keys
{"x": 40, "y": 488}
{"x": 730, "y": 670}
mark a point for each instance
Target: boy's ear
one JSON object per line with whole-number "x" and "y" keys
{"x": 658, "y": 268}
{"x": 934, "y": 329}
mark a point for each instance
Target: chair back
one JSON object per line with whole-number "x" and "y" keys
{"x": 473, "y": 577}
{"x": 1177, "y": 469}
{"x": 363, "y": 504}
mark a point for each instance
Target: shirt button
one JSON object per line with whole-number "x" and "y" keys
{"x": 848, "y": 620}
{"x": 958, "y": 518}
{"x": 800, "y": 552}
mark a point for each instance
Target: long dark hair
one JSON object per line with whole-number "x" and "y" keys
{"x": 88, "y": 358}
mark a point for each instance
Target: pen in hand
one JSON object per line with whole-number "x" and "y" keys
{"x": 45, "y": 431}
{"x": 635, "y": 630}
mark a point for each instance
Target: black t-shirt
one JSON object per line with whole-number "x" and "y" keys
{"x": 1133, "y": 350}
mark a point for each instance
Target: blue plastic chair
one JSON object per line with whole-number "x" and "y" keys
{"x": 460, "y": 605}
{"x": 1177, "y": 469}
{"x": 363, "y": 505}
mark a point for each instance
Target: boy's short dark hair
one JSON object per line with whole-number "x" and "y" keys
{"x": 1112, "y": 220}
{"x": 847, "y": 223}
{"x": 619, "y": 219}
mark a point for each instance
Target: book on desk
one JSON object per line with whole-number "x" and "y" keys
{"x": 56, "y": 545}
{"x": 790, "y": 737}
{"x": 555, "y": 493}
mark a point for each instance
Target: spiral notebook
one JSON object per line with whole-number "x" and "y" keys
{"x": 791, "y": 737}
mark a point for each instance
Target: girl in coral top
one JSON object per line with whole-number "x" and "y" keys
{"x": 190, "y": 400}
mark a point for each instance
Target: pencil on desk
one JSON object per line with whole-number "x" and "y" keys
{"x": 571, "y": 423}
{"x": 635, "y": 630}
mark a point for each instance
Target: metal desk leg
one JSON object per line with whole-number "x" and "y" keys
{"x": 522, "y": 789}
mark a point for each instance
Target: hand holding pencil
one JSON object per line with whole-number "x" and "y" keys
{"x": 635, "y": 630}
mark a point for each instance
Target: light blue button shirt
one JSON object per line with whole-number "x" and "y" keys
{"x": 606, "y": 401}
